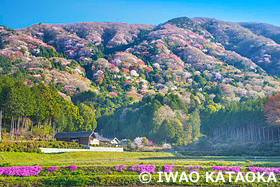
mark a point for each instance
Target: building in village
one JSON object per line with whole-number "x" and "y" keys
{"x": 101, "y": 139}
{"x": 85, "y": 138}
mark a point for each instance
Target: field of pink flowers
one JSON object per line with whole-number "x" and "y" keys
{"x": 26, "y": 171}
{"x": 118, "y": 175}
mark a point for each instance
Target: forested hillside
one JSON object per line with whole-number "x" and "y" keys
{"x": 40, "y": 110}
{"x": 175, "y": 82}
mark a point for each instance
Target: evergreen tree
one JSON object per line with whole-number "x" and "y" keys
{"x": 166, "y": 131}
{"x": 179, "y": 131}
{"x": 194, "y": 122}
{"x": 89, "y": 118}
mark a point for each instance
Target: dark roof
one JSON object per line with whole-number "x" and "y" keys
{"x": 82, "y": 134}
{"x": 101, "y": 138}
{"x": 77, "y": 134}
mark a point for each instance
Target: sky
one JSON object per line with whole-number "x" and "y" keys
{"x": 20, "y": 13}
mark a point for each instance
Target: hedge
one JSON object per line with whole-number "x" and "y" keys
{"x": 32, "y": 147}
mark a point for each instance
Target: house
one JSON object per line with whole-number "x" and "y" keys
{"x": 81, "y": 137}
{"x": 101, "y": 139}
{"x": 85, "y": 138}
{"x": 115, "y": 141}
{"x": 125, "y": 142}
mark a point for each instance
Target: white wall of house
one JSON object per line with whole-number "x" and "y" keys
{"x": 101, "y": 149}
{"x": 114, "y": 141}
{"x": 106, "y": 149}
{"x": 94, "y": 141}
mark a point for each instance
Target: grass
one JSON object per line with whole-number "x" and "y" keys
{"x": 79, "y": 158}
{"x": 102, "y": 159}
{"x": 130, "y": 158}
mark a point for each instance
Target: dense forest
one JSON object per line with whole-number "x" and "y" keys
{"x": 40, "y": 110}
{"x": 245, "y": 122}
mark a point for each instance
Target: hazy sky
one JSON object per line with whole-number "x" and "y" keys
{"x": 20, "y": 13}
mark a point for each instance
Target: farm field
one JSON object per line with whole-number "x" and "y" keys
{"x": 106, "y": 159}
{"x": 122, "y": 169}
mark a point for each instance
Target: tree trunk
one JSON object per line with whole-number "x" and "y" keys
{"x": 31, "y": 126}
{"x": 237, "y": 133}
{"x": 264, "y": 139}
{"x": 254, "y": 133}
{"x": 53, "y": 130}
{"x": 18, "y": 122}
{"x": 12, "y": 126}
{"x": 4, "y": 125}
{"x": 0, "y": 125}
{"x": 278, "y": 134}
{"x": 268, "y": 134}
{"x": 15, "y": 128}
{"x": 260, "y": 138}
{"x": 272, "y": 134}
{"x": 23, "y": 123}
{"x": 244, "y": 134}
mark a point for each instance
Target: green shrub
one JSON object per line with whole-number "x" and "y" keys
{"x": 34, "y": 147}
{"x": 6, "y": 165}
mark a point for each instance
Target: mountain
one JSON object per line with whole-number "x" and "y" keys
{"x": 266, "y": 30}
{"x": 227, "y": 51}
{"x": 196, "y": 64}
